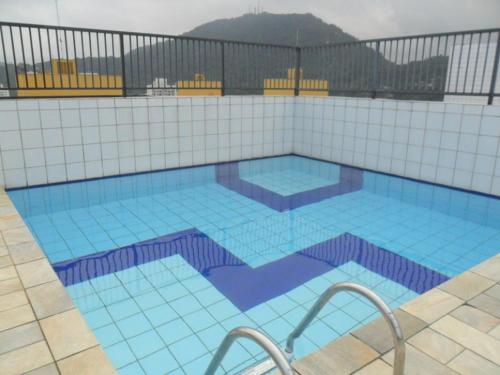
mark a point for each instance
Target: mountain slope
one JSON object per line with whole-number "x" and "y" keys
{"x": 273, "y": 28}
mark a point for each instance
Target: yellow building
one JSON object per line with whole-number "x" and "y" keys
{"x": 199, "y": 87}
{"x": 63, "y": 80}
{"x": 286, "y": 86}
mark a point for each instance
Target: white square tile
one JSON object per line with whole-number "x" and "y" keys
{"x": 488, "y": 145}
{"x": 109, "y": 151}
{"x": 89, "y": 117}
{"x": 93, "y": 169}
{"x": 92, "y": 152}
{"x": 72, "y": 136}
{"x": 107, "y": 116}
{"x": 13, "y": 159}
{"x": 70, "y": 118}
{"x": 52, "y": 137}
{"x": 34, "y": 157}
{"x": 484, "y": 164}
{"x": 90, "y": 135}
{"x": 50, "y": 118}
{"x": 54, "y": 155}
{"x": 73, "y": 154}
{"x": 10, "y": 140}
{"x": 56, "y": 173}
{"x": 32, "y": 139}
{"x": 75, "y": 171}
{"x": 108, "y": 134}
{"x": 15, "y": 178}
{"x": 124, "y": 116}
{"x": 27, "y": 119}
{"x": 36, "y": 176}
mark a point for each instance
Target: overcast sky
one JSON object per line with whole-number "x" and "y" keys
{"x": 361, "y": 18}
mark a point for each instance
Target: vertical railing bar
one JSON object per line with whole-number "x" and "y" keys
{"x": 477, "y": 61}
{"x": 485, "y": 61}
{"x": 5, "y": 58}
{"x": 181, "y": 66}
{"x": 345, "y": 69}
{"x": 460, "y": 62}
{"x": 407, "y": 73}
{"x": 169, "y": 70}
{"x": 381, "y": 71}
{"x": 164, "y": 56}
{"x": 376, "y": 76}
{"x": 467, "y": 65}
{"x": 91, "y": 60}
{"x": 131, "y": 68}
{"x": 395, "y": 69}
{"x": 494, "y": 74}
{"x": 176, "y": 63}
{"x": 67, "y": 58}
{"x": 445, "y": 54}
{"x": 223, "y": 69}
{"x": 59, "y": 66}
{"x": 421, "y": 65}
{"x": 83, "y": 59}
{"x": 138, "y": 62}
{"x": 435, "y": 68}
{"x": 157, "y": 70}
{"x": 122, "y": 60}
{"x": 451, "y": 62}
{"x": 415, "y": 67}
{"x": 50, "y": 58}
{"x": 151, "y": 62}
{"x": 105, "y": 36}
{"x": 24, "y": 58}
{"x": 145, "y": 83}
{"x": 113, "y": 59}
{"x": 14, "y": 56}
{"x": 429, "y": 64}
{"x": 99, "y": 59}
{"x": 76, "y": 60}
{"x": 35, "y": 78}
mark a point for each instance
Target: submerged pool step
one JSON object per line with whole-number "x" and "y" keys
{"x": 262, "y": 368}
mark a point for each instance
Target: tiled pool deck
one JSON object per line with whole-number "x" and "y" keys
{"x": 451, "y": 329}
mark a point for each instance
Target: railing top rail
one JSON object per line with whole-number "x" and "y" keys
{"x": 155, "y": 35}
{"x": 413, "y": 36}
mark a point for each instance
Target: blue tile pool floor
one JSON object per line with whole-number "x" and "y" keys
{"x": 163, "y": 316}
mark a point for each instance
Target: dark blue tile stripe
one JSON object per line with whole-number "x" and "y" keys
{"x": 243, "y": 285}
{"x": 227, "y": 175}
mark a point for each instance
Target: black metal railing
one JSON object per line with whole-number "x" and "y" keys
{"x": 40, "y": 60}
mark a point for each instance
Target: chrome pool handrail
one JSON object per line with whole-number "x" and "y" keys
{"x": 260, "y": 339}
{"x": 390, "y": 318}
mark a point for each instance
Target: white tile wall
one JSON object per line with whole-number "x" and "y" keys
{"x": 452, "y": 144}
{"x": 54, "y": 140}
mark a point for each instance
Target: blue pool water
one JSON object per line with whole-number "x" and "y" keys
{"x": 163, "y": 265}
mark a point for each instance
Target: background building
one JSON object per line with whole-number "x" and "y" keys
{"x": 286, "y": 86}
{"x": 199, "y": 86}
{"x": 63, "y": 79}
{"x": 160, "y": 87}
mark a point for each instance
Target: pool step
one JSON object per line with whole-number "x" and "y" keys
{"x": 262, "y": 368}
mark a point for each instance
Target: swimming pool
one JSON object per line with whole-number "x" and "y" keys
{"x": 163, "y": 265}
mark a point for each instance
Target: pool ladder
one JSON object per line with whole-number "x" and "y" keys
{"x": 282, "y": 359}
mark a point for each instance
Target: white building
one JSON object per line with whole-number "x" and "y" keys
{"x": 160, "y": 87}
{"x": 470, "y": 70}
{"x": 3, "y": 91}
